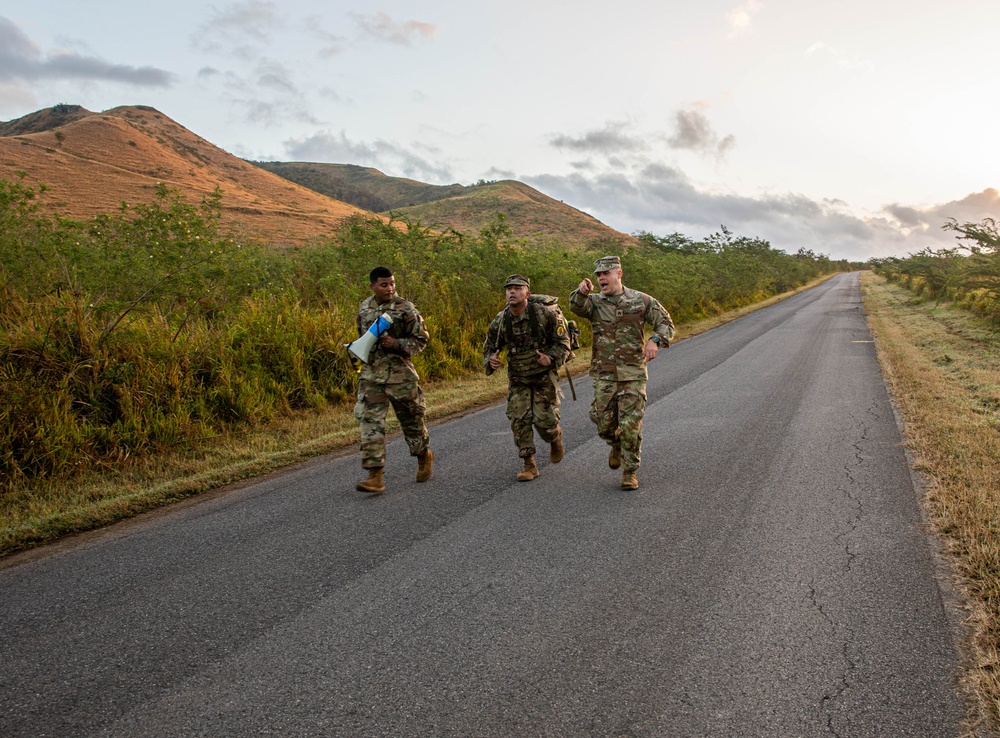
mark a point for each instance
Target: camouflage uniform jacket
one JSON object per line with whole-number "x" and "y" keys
{"x": 617, "y": 323}
{"x": 393, "y": 366}
{"x": 521, "y": 339}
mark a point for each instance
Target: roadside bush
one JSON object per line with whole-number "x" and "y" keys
{"x": 968, "y": 274}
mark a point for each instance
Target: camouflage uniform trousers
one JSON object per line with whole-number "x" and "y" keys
{"x": 407, "y": 402}
{"x": 532, "y": 401}
{"x": 617, "y": 411}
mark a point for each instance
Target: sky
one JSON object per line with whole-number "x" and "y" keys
{"x": 853, "y": 129}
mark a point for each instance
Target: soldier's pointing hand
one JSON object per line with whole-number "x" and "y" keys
{"x": 586, "y": 286}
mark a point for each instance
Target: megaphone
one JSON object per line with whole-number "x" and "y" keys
{"x": 363, "y": 346}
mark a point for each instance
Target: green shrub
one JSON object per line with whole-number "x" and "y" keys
{"x": 968, "y": 274}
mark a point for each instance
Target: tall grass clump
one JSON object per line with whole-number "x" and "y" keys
{"x": 967, "y": 274}
{"x": 150, "y": 328}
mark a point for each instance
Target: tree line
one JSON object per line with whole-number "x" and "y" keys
{"x": 967, "y": 274}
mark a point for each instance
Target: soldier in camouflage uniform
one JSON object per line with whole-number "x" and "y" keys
{"x": 619, "y": 356}
{"x": 388, "y": 377}
{"x": 537, "y": 345}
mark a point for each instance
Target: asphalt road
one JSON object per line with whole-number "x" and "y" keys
{"x": 770, "y": 577}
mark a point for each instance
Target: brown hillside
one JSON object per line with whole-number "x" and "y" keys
{"x": 531, "y": 215}
{"x": 97, "y": 160}
{"x": 43, "y": 120}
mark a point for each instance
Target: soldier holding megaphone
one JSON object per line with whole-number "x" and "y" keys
{"x": 390, "y": 331}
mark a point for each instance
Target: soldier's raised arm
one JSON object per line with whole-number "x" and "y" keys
{"x": 578, "y": 299}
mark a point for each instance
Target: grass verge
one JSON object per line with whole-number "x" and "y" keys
{"x": 942, "y": 366}
{"x": 42, "y": 512}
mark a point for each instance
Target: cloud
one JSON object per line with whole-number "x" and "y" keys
{"x": 608, "y": 140}
{"x": 383, "y": 28}
{"x": 276, "y": 76}
{"x": 694, "y": 132}
{"x": 266, "y": 95}
{"x": 383, "y": 155}
{"x": 972, "y": 208}
{"x": 253, "y": 21}
{"x": 661, "y": 199}
{"x": 740, "y": 19}
{"x": 266, "y": 91}
{"x": 333, "y": 45}
{"x": 263, "y": 89}
{"x": 22, "y": 62}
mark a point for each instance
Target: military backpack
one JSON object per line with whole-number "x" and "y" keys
{"x": 570, "y": 326}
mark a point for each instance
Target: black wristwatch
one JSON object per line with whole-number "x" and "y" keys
{"x": 655, "y": 339}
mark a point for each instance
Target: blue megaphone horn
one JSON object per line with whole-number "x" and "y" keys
{"x": 363, "y": 346}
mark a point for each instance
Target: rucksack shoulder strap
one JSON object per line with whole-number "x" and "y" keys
{"x": 507, "y": 328}
{"x": 536, "y": 328}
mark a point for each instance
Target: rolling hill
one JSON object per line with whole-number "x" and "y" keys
{"x": 532, "y": 215}
{"x": 91, "y": 162}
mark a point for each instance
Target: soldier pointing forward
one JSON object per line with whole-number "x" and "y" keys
{"x": 619, "y": 354}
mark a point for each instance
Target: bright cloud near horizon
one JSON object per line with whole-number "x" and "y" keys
{"x": 854, "y": 129}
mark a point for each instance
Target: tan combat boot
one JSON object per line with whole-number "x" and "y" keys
{"x": 629, "y": 480}
{"x": 557, "y": 450}
{"x": 615, "y": 457}
{"x": 425, "y": 464}
{"x": 373, "y": 485}
{"x": 530, "y": 470}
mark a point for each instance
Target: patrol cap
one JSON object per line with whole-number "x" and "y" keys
{"x": 517, "y": 279}
{"x": 607, "y": 263}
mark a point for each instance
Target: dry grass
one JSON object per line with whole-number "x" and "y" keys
{"x": 531, "y": 215}
{"x": 942, "y": 366}
{"x": 121, "y": 154}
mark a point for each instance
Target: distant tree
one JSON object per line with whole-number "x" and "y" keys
{"x": 497, "y": 230}
{"x": 719, "y": 240}
{"x": 674, "y": 242}
{"x": 984, "y": 234}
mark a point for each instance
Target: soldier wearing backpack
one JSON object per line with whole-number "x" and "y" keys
{"x": 537, "y": 342}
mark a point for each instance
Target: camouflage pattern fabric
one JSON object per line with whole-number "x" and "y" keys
{"x": 407, "y": 402}
{"x": 617, "y": 366}
{"x": 389, "y": 378}
{"x": 532, "y": 393}
{"x": 532, "y": 402}
{"x": 618, "y": 327}
{"x": 392, "y": 367}
{"x": 617, "y": 410}
{"x": 521, "y": 358}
